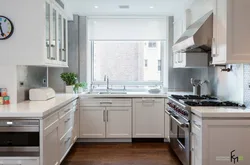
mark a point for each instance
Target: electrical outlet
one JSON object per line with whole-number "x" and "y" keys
{"x": 44, "y": 81}
{"x": 21, "y": 83}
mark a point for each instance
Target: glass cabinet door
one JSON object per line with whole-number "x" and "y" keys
{"x": 54, "y": 35}
{"x": 60, "y": 35}
{"x": 47, "y": 29}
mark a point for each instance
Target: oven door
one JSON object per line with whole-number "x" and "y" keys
{"x": 18, "y": 140}
{"x": 179, "y": 138}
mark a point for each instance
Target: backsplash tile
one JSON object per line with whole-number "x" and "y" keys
{"x": 31, "y": 77}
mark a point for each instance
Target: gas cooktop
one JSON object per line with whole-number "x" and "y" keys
{"x": 204, "y": 100}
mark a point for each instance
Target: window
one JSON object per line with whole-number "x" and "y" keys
{"x": 125, "y": 61}
{"x": 145, "y": 63}
{"x": 159, "y": 65}
{"x": 152, "y": 44}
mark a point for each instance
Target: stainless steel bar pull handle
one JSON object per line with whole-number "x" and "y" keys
{"x": 179, "y": 123}
{"x": 103, "y": 115}
{"x": 107, "y": 116}
{"x": 18, "y": 163}
{"x": 214, "y": 49}
{"x": 198, "y": 125}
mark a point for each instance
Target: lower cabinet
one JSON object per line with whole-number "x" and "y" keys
{"x": 59, "y": 134}
{"x": 105, "y": 122}
{"x": 118, "y": 122}
{"x": 148, "y": 118}
{"x": 19, "y": 161}
{"x": 65, "y": 144}
{"x": 196, "y": 141}
{"x": 167, "y": 124}
{"x": 92, "y": 123}
{"x": 51, "y": 142}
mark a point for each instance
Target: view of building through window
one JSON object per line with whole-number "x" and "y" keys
{"x": 130, "y": 61}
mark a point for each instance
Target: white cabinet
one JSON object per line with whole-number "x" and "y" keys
{"x": 231, "y": 32}
{"x": 214, "y": 139}
{"x": 105, "y": 118}
{"x": 148, "y": 118}
{"x": 19, "y": 161}
{"x": 118, "y": 122}
{"x": 92, "y": 123}
{"x": 196, "y": 141}
{"x": 76, "y": 127}
{"x": 190, "y": 60}
{"x": 51, "y": 140}
{"x": 40, "y": 40}
{"x": 58, "y": 134}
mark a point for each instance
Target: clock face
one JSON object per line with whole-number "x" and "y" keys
{"x": 6, "y": 28}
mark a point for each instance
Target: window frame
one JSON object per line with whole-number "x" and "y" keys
{"x": 129, "y": 83}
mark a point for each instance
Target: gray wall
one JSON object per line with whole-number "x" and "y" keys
{"x": 31, "y": 77}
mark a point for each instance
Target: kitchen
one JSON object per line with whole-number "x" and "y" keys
{"x": 135, "y": 82}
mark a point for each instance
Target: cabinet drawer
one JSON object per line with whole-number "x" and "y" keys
{"x": 65, "y": 123}
{"x": 105, "y": 102}
{"x": 19, "y": 161}
{"x": 65, "y": 144}
{"x": 50, "y": 120}
{"x": 67, "y": 108}
{"x": 196, "y": 124}
{"x": 149, "y": 100}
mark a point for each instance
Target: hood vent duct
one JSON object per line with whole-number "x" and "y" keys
{"x": 198, "y": 36}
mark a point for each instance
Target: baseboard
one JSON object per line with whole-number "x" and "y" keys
{"x": 113, "y": 140}
{"x": 104, "y": 140}
{"x": 148, "y": 140}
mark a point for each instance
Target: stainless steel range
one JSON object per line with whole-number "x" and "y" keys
{"x": 179, "y": 110}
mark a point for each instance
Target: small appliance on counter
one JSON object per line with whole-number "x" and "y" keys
{"x": 41, "y": 94}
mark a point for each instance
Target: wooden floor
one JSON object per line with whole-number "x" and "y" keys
{"x": 121, "y": 154}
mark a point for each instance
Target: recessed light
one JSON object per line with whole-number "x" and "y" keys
{"x": 96, "y": 7}
{"x": 151, "y": 7}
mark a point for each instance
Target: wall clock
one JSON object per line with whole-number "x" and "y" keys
{"x": 6, "y": 28}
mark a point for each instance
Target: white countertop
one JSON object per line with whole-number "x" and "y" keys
{"x": 36, "y": 109}
{"x": 134, "y": 94}
{"x": 221, "y": 112}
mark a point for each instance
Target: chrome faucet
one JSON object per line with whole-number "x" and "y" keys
{"x": 106, "y": 78}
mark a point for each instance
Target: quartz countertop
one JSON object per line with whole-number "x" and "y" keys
{"x": 221, "y": 112}
{"x": 36, "y": 109}
{"x": 134, "y": 94}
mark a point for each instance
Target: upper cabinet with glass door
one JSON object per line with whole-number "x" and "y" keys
{"x": 40, "y": 39}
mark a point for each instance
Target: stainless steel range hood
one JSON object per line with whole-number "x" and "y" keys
{"x": 198, "y": 36}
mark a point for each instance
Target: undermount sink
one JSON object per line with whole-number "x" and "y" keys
{"x": 113, "y": 92}
{"x": 107, "y": 93}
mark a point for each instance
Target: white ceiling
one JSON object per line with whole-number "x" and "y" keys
{"x": 137, "y": 7}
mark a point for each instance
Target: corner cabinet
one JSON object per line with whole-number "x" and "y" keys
{"x": 40, "y": 38}
{"x": 231, "y": 32}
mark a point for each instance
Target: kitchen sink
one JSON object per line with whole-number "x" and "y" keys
{"x": 107, "y": 93}
{"x": 113, "y": 92}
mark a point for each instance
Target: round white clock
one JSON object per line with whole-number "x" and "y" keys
{"x": 6, "y": 28}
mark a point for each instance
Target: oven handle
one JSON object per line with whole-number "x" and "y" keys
{"x": 179, "y": 123}
{"x": 167, "y": 112}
